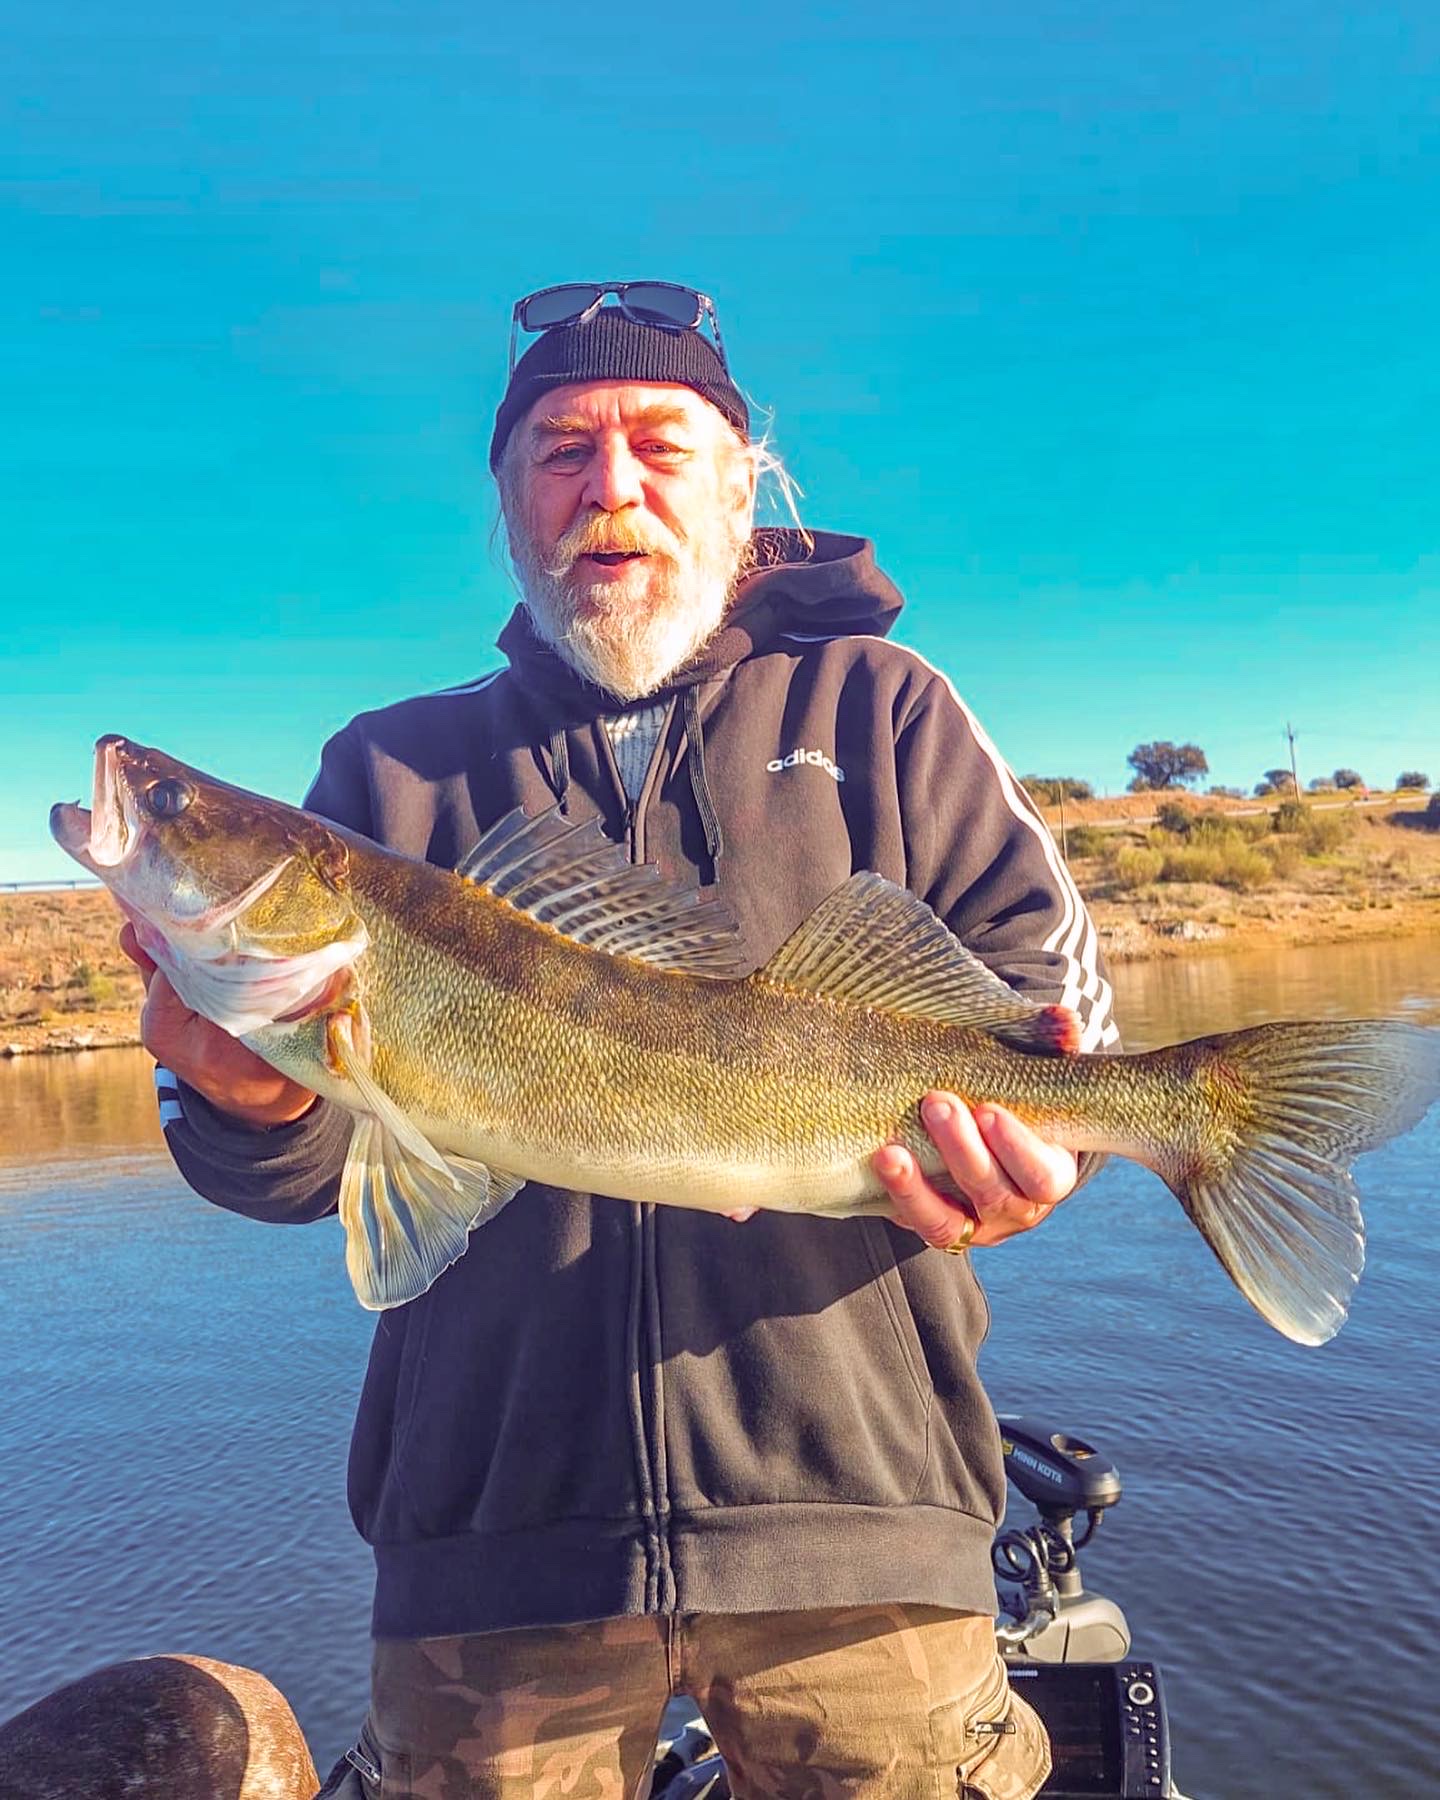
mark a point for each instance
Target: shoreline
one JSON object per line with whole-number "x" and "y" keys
{"x": 1126, "y": 937}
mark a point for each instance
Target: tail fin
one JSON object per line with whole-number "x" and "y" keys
{"x": 1276, "y": 1202}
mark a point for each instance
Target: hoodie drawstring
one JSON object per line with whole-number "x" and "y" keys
{"x": 700, "y": 786}
{"x": 560, "y": 769}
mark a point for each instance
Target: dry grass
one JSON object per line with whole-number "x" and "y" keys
{"x": 1326, "y": 876}
{"x": 60, "y": 963}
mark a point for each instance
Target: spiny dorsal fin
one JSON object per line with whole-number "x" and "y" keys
{"x": 574, "y": 879}
{"x": 871, "y": 943}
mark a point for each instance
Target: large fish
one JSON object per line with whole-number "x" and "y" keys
{"x": 552, "y": 1013}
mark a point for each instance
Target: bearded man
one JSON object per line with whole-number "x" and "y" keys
{"x": 619, "y": 1451}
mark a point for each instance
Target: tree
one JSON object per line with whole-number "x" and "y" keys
{"x": 1049, "y": 790}
{"x": 1165, "y": 765}
{"x": 1412, "y": 778}
{"x": 1277, "y": 780}
{"x": 1320, "y": 784}
{"x": 1348, "y": 778}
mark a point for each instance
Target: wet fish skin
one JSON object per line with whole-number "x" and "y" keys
{"x": 556, "y": 1020}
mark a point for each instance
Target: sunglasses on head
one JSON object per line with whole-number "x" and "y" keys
{"x": 663, "y": 303}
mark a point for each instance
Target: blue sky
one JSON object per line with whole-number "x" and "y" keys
{"x": 1113, "y": 325}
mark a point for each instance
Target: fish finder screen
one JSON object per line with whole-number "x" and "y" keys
{"x": 1080, "y": 1712}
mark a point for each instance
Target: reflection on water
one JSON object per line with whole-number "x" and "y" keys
{"x": 1162, "y": 1002}
{"x": 179, "y": 1387}
{"x": 85, "y": 1103}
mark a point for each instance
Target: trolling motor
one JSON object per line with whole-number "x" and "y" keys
{"x": 1052, "y": 1617}
{"x": 1068, "y": 1650}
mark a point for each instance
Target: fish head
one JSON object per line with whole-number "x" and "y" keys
{"x": 215, "y": 879}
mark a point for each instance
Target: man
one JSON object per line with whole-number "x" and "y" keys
{"x": 616, "y": 1449}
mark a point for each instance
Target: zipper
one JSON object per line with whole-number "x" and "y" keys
{"x": 648, "y": 1399}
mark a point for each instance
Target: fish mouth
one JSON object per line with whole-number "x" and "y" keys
{"x": 70, "y": 828}
{"x": 105, "y": 834}
{"x": 115, "y": 825}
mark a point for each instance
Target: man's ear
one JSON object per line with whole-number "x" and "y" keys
{"x": 744, "y": 475}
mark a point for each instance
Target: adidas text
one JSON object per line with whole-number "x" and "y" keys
{"x": 815, "y": 758}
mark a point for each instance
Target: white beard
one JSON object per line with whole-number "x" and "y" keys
{"x": 629, "y": 650}
{"x": 622, "y": 636}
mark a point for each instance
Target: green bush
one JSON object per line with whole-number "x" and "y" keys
{"x": 1049, "y": 790}
{"x": 1136, "y": 867}
{"x": 1324, "y": 832}
{"x": 1086, "y": 840}
{"x": 1245, "y": 869}
{"x": 101, "y": 990}
{"x": 1193, "y": 862}
{"x": 1174, "y": 815}
{"x": 1290, "y": 815}
{"x": 1283, "y": 854}
{"x": 1233, "y": 864}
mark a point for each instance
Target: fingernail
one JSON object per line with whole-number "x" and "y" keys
{"x": 984, "y": 1117}
{"x": 889, "y": 1165}
{"x": 936, "y": 1112}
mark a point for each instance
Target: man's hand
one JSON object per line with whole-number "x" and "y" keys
{"x": 1010, "y": 1178}
{"x": 231, "y": 1077}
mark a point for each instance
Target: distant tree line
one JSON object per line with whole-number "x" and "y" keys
{"x": 1050, "y": 790}
{"x": 1163, "y": 767}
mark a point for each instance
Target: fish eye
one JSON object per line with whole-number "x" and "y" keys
{"x": 166, "y": 799}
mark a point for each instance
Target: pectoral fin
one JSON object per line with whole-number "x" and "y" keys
{"x": 408, "y": 1210}
{"x": 406, "y": 1218}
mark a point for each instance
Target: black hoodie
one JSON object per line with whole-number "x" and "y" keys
{"x": 606, "y": 1408}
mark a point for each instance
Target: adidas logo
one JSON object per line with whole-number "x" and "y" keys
{"x": 814, "y": 758}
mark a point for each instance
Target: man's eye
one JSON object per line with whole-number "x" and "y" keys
{"x": 567, "y": 453}
{"x": 659, "y": 448}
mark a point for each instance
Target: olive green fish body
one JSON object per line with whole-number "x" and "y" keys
{"x": 554, "y": 1015}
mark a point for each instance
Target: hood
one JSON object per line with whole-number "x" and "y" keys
{"x": 832, "y": 590}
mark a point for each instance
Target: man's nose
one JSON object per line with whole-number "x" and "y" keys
{"x": 615, "y": 478}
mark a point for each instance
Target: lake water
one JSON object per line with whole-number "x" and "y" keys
{"x": 179, "y": 1385}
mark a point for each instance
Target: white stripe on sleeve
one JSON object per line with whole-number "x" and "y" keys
{"x": 1085, "y": 991}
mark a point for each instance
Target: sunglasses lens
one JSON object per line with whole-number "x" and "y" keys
{"x": 656, "y": 305}
{"x": 560, "y": 305}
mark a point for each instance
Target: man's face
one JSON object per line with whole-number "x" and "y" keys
{"x": 628, "y": 507}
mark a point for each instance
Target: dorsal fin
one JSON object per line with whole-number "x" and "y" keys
{"x": 574, "y": 879}
{"x": 871, "y": 943}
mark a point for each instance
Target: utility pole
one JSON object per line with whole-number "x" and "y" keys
{"x": 1293, "y": 776}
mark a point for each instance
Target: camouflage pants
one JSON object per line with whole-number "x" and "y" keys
{"x": 876, "y": 1703}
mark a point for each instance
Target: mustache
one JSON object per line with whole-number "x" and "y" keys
{"x": 607, "y": 534}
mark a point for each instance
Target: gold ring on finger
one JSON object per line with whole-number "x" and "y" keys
{"x": 960, "y": 1248}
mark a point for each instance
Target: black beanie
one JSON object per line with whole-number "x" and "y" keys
{"x": 612, "y": 347}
